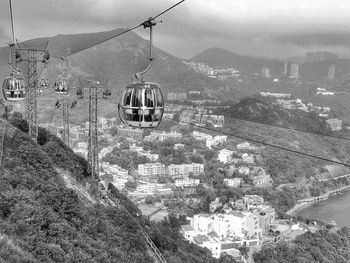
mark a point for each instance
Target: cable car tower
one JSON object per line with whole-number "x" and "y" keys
{"x": 95, "y": 90}
{"x": 31, "y": 57}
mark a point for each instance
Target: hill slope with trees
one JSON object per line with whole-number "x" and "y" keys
{"x": 43, "y": 221}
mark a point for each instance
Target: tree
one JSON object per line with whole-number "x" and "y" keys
{"x": 196, "y": 158}
{"x": 131, "y": 185}
{"x": 149, "y": 199}
{"x": 125, "y": 145}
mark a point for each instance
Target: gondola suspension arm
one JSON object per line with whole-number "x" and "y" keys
{"x": 148, "y": 23}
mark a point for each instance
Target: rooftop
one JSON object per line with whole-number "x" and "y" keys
{"x": 200, "y": 239}
{"x": 187, "y": 228}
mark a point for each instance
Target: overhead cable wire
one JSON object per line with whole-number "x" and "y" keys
{"x": 121, "y": 33}
{"x": 290, "y": 129}
{"x": 257, "y": 141}
{"x": 13, "y": 30}
{"x": 293, "y": 129}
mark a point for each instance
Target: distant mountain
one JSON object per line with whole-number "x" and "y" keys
{"x": 116, "y": 60}
{"x": 221, "y": 58}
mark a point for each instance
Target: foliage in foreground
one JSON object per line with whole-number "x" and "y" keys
{"x": 43, "y": 221}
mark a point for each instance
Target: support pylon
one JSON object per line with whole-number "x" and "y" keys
{"x": 2, "y": 142}
{"x": 32, "y": 57}
{"x": 93, "y": 137}
{"x": 31, "y": 101}
{"x": 65, "y": 114}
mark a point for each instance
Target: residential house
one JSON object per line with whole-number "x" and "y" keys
{"x": 225, "y": 156}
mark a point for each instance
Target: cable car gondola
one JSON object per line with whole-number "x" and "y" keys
{"x": 80, "y": 92}
{"x": 61, "y": 86}
{"x": 142, "y": 105}
{"x": 44, "y": 83}
{"x": 14, "y": 88}
{"x": 106, "y": 93}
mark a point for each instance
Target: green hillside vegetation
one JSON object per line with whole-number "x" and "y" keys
{"x": 266, "y": 111}
{"x": 43, "y": 221}
{"x": 323, "y": 246}
{"x": 284, "y": 166}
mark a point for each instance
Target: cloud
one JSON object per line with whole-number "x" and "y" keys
{"x": 274, "y": 27}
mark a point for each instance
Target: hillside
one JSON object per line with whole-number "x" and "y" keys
{"x": 259, "y": 119}
{"x": 116, "y": 60}
{"x": 221, "y": 58}
{"x": 267, "y": 111}
{"x": 41, "y": 220}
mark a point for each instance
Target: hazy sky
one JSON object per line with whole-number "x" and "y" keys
{"x": 271, "y": 28}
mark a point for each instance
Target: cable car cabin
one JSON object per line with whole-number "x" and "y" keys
{"x": 44, "y": 83}
{"x": 80, "y": 92}
{"x": 106, "y": 93}
{"x": 61, "y": 86}
{"x": 142, "y": 105}
{"x": 14, "y": 89}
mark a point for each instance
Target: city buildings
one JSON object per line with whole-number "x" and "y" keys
{"x": 130, "y": 132}
{"x": 265, "y": 72}
{"x": 335, "y": 124}
{"x": 234, "y": 182}
{"x": 294, "y": 71}
{"x": 151, "y": 170}
{"x": 215, "y": 141}
{"x": 246, "y": 146}
{"x": 225, "y": 156}
{"x": 223, "y": 232}
{"x": 187, "y": 182}
{"x": 277, "y": 95}
{"x": 331, "y": 72}
{"x": 177, "y": 96}
{"x": 161, "y": 136}
{"x": 201, "y": 136}
{"x": 183, "y": 170}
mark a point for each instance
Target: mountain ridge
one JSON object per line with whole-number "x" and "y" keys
{"x": 221, "y": 58}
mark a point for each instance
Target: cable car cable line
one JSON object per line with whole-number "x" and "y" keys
{"x": 291, "y": 129}
{"x": 122, "y": 33}
{"x": 12, "y": 27}
{"x": 257, "y": 141}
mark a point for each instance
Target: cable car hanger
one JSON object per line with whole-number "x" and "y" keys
{"x": 142, "y": 104}
{"x": 148, "y": 23}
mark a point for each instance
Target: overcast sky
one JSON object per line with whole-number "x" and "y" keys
{"x": 270, "y": 28}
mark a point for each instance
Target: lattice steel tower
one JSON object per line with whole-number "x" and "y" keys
{"x": 32, "y": 57}
{"x": 65, "y": 112}
{"x": 93, "y": 136}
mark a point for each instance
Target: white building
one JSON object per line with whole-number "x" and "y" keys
{"x": 161, "y": 136}
{"x": 188, "y": 182}
{"x": 234, "y": 182}
{"x": 215, "y": 141}
{"x": 134, "y": 133}
{"x": 183, "y": 170}
{"x": 225, "y": 156}
{"x": 151, "y": 169}
{"x": 115, "y": 170}
{"x": 201, "y": 136}
{"x": 246, "y": 146}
